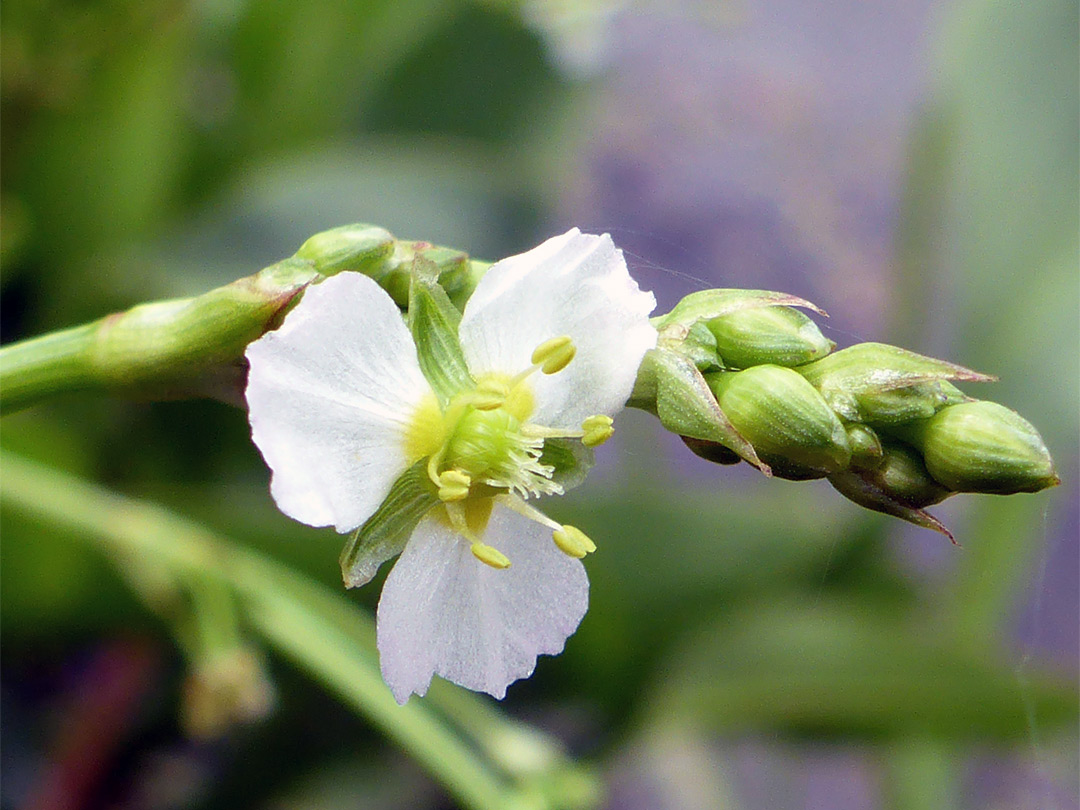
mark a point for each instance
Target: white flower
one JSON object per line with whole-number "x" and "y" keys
{"x": 341, "y": 410}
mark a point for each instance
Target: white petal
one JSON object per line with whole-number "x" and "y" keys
{"x": 329, "y": 395}
{"x": 577, "y": 285}
{"x": 444, "y": 612}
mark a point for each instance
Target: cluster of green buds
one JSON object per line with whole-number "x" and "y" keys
{"x": 743, "y": 375}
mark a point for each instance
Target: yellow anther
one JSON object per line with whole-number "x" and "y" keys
{"x": 483, "y": 401}
{"x": 554, "y": 355}
{"x": 489, "y": 395}
{"x": 596, "y": 430}
{"x": 595, "y": 421}
{"x": 453, "y": 486}
{"x": 573, "y": 542}
{"x": 490, "y": 556}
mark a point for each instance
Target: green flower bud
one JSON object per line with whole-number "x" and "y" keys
{"x": 359, "y": 248}
{"x": 779, "y": 335}
{"x": 904, "y": 476}
{"x": 886, "y": 385}
{"x": 397, "y": 282}
{"x": 785, "y": 419}
{"x": 450, "y": 269}
{"x": 176, "y": 349}
{"x": 454, "y": 270}
{"x": 705, "y": 305}
{"x": 897, "y": 406}
{"x": 670, "y": 385}
{"x": 984, "y": 447}
{"x": 225, "y": 689}
{"x": 699, "y": 346}
{"x": 900, "y": 486}
{"x": 711, "y": 451}
{"x": 866, "y": 450}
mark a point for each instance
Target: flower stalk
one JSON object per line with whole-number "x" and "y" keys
{"x": 189, "y": 347}
{"x": 891, "y": 403}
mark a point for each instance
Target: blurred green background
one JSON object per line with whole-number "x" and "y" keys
{"x": 750, "y": 644}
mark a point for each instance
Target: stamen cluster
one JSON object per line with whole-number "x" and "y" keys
{"x": 487, "y": 448}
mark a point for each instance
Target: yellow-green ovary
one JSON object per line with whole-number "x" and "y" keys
{"x": 483, "y": 441}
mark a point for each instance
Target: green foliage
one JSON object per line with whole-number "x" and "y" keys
{"x": 305, "y": 621}
{"x": 850, "y": 668}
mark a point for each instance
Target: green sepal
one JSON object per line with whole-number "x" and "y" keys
{"x": 450, "y": 268}
{"x": 903, "y": 475}
{"x": 385, "y": 533}
{"x": 358, "y": 248}
{"x": 433, "y": 321}
{"x": 883, "y": 384}
{"x": 571, "y": 459}
{"x": 708, "y": 304}
{"x": 686, "y": 405}
{"x": 453, "y": 267}
{"x": 699, "y": 346}
{"x": 898, "y": 406}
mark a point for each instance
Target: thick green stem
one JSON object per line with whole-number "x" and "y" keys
{"x": 320, "y": 631}
{"x": 162, "y": 350}
{"x": 52, "y": 364}
{"x": 194, "y": 347}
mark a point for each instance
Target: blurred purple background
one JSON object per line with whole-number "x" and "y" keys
{"x": 769, "y": 151}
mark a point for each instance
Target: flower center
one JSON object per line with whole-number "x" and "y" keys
{"x": 482, "y": 443}
{"x": 486, "y": 441}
